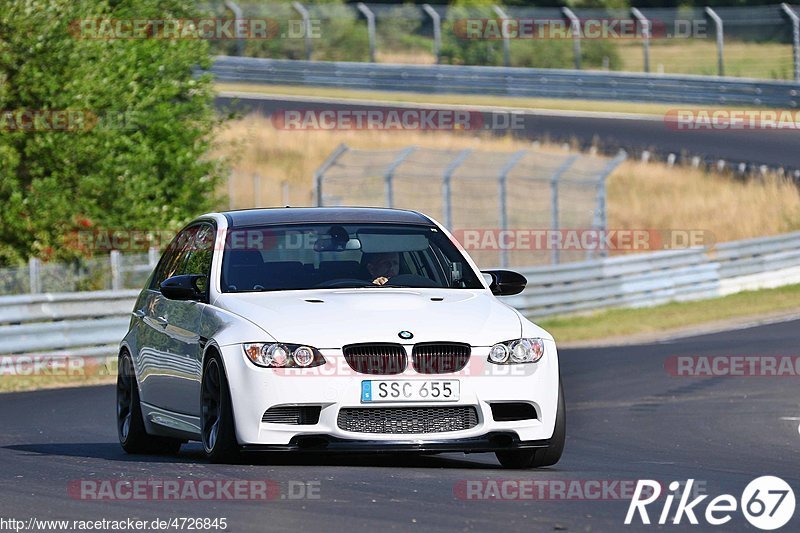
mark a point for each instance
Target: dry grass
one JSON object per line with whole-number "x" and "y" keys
{"x": 639, "y": 195}
{"x": 655, "y": 196}
{"x": 406, "y": 57}
{"x": 95, "y": 372}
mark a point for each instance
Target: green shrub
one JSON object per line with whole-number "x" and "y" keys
{"x": 144, "y": 165}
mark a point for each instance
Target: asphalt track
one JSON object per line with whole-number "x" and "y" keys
{"x": 606, "y": 131}
{"x": 627, "y": 419}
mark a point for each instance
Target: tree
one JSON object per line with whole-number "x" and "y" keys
{"x": 140, "y": 161}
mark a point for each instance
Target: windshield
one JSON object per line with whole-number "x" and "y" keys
{"x": 318, "y": 256}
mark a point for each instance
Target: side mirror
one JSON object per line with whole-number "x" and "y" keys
{"x": 506, "y": 282}
{"x": 184, "y": 287}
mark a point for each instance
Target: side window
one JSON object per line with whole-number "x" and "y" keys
{"x": 440, "y": 267}
{"x": 420, "y": 265}
{"x": 200, "y": 252}
{"x": 174, "y": 257}
{"x": 453, "y": 272}
{"x": 410, "y": 263}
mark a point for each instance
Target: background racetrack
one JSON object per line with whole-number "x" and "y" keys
{"x": 773, "y": 148}
{"x": 627, "y": 419}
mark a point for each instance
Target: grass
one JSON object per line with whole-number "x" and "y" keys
{"x": 94, "y": 372}
{"x": 640, "y": 195}
{"x": 405, "y": 57}
{"x": 553, "y": 104}
{"x": 673, "y": 56}
{"x": 675, "y": 315}
{"x": 694, "y": 56}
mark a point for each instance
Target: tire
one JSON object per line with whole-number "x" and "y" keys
{"x": 217, "y": 426}
{"x": 543, "y": 456}
{"x": 133, "y": 436}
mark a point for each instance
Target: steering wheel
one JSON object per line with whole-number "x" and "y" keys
{"x": 342, "y": 282}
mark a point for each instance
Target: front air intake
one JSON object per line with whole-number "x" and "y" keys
{"x": 303, "y": 415}
{"x": 406, "y": 420}
{"x": 512, "y": 411}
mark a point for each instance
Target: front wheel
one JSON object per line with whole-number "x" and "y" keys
{"x": 216, "y": 422}
{"x": 543, "y": 456}
{"x": 130, "y": 424}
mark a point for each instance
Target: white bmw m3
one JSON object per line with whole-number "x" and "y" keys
{"x": 334, "y": 329}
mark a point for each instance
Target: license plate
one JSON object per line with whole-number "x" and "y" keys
{"x": 379, "y": 391}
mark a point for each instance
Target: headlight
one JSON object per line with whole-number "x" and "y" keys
{"x": 303, "y": 356}
{"x": 517, "y": 351}
{"x": 279, "y": 355}
{"x": 498, "y": 354}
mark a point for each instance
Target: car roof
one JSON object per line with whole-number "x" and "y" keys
{"x": 333, "y": 215}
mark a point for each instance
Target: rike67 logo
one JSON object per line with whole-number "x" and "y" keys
{"x": 767, "y": 503}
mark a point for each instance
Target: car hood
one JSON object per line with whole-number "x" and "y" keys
{"x": 333, "y": 318}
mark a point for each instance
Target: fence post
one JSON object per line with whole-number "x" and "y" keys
{"x": 256, "y": 190}
{"x": 795, "y": 38}
{"x": 720, "y": 40}
{"x": 437, "y": 30}
{"x": 600, "y": 215}
{"x": 230, "y": 190}
{"x": 237, "y": 14}
{"x": 645, "y": 36}
{"x": 575, "y": 26}
{"x": 370, "y": 28}
{"x": 152, "y": 256}
{"x": 502, "y": 178}
{"x": 506, "y": 45}
{"x": 319, "y": 175}
{"x": 116, "y": 270}
{"x": 34, "y": 275}
{"x": 447, "y": 207}
{"x": 554, "y": 218}
{"x": 389, "y": 176}
{"x": 300, "y": 8}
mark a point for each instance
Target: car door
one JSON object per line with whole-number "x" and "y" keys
{"x": 152, "y": 340}
{"x": 175, "y": 383}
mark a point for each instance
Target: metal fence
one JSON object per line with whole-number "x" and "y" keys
{"x": 93, "y": 323}
{"x": 717, "y": 40}
{"x": 476, "y": 190}
{"x": 113, "y": 272}
{"x": 511, "y": 82}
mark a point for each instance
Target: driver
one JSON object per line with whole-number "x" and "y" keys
{"x": 383, "y": 266}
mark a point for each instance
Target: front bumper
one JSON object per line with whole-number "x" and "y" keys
{"x": 334, "y": 386}
{"x": 490, "y": 442}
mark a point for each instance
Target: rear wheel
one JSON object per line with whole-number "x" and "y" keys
{"x": 216, "y": 421}
{"x": 542, "y": 456}
{"x": 130, "y": 424}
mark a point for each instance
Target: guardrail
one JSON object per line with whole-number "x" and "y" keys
{"x": 93, "y": 323}
{"x": 661, "y": 277}
{"x": 513, "y": 82}
{"x": 74, "y": 323}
